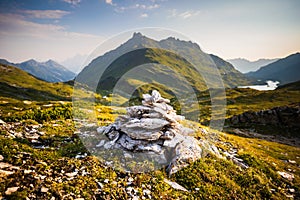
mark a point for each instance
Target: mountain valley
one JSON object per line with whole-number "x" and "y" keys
{"x": 43, "y": 156}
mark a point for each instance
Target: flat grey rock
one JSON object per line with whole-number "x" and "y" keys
{"x": 154, "y": 129}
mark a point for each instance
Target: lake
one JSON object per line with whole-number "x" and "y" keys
{"x": 270, "y": 85}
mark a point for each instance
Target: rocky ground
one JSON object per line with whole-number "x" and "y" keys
{"x": 49, "y": 161}
{"x": 36, "y": 165}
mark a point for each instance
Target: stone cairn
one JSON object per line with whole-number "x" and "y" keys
{"x": 153, "y": 127}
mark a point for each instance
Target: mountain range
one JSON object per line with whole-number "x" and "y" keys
{"x": 75, "y": 63}
{"x": 141, "y": 50}
{"x": 49, "y": 71}
{"x": 285, "y": 70}
{"x": 244, "y": 65}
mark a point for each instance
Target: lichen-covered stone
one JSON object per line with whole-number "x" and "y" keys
{"x": 153, "y": 128}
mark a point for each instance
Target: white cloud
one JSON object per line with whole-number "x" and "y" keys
{"x": 45, "y": 14}
{"x": 184, "y": 15}
{"x": 173, "y": 13}
{"x": 109, "y": 2}
{"x": 21, "y": 39}
{"x": 73, "y": 2}
{"x": 137, "y": 6}
{"x": 146, "y": 7}
{"x": 144, "y": 15}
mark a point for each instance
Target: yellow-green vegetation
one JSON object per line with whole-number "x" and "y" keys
{"x": 40, "y": 112}
{"x": 241, "y": 100}
{"x": 19, "y": 84}
{"x": 55, "y": 163}
{"x": 64, "y": 176}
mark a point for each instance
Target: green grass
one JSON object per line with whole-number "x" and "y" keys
{"x": 208, "y": 178}
{"x": 19, "y": 84}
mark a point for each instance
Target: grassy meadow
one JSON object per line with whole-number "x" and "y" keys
{"x": 62, "y": 168}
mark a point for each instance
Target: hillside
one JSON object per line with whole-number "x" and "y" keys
{"x": 146, "y": 50}
{"x": 18, "y": 84}
{"x": 244, "y": 65}
{"x": 49, "y": 71}
{"x": 285, "y": 70}
{"x": 229, "y": 74}
{"x": 290, "y": 86}
{"x": 47, "y": 159}
{"x": 42, "y": 154}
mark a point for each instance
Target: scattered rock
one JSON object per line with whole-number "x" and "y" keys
{"x": 292, "y": 190}
{"x": 72, "y": 174}
{"x": 27, "y": 102}
{"x": 282, "y": 116}
{"x": 292, "y": 161}
{"x": 175, "y": 185}
{"x": 290, "y": 196}
{"x": 11, "y": 190}
{"x": 4, "y": 173}
{"x": 286, "y": 175}
{"x": 1, "y": 158}
{"x": 44, "y": 189}
{"x": 106, "y": 181}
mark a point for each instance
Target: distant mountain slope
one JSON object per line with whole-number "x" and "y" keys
{"x": 229, "y": 74}
{"x": 75, "y": 64}
{"x": 244, "y": 65}
{"x": 49, "y": 71}
{"x": 291, "y": 86}
{"x": 285, "y": 70}
{"x": 126, "y": 62}
{"x": 18, "y": 84}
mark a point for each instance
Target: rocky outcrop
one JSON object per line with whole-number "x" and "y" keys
{"x": 153, "y": 128}
{"x": 280, "y": 116}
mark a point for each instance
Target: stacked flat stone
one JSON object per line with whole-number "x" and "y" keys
{"x": 153, "y": 127}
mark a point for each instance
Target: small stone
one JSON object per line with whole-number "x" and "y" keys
{"x": 5, "y": 165}
{"x": 130, "y": 179}
{"x": 290, "y": 196}
{"x": 44, "y": 190}
{"x": 292, "y": 161}
{"x": 106, "y": 180}
{"x": 11, "y": 190}
{"x": 175, "y": 185}
{"x": 71, "y": 174}
{"x": 186, "y": 152}
{"x": 27, "y": 171}
{"x": 42, "y": 177}
{"x": 101, "y": 143}
{"x": 5, "y": 173}
{"x": 292, "y": 190}
{"x": 1, "y": 158}
{"x": 168, "y": 135}
{"x": 146, "y": 192}
{"x": 113, "y": 135}
{"x": 286, "y": 175}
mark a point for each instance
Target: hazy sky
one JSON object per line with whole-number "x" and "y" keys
{"x": 60, "y": 29}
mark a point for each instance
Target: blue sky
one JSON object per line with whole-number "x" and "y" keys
{"x": 61, "y": 29}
